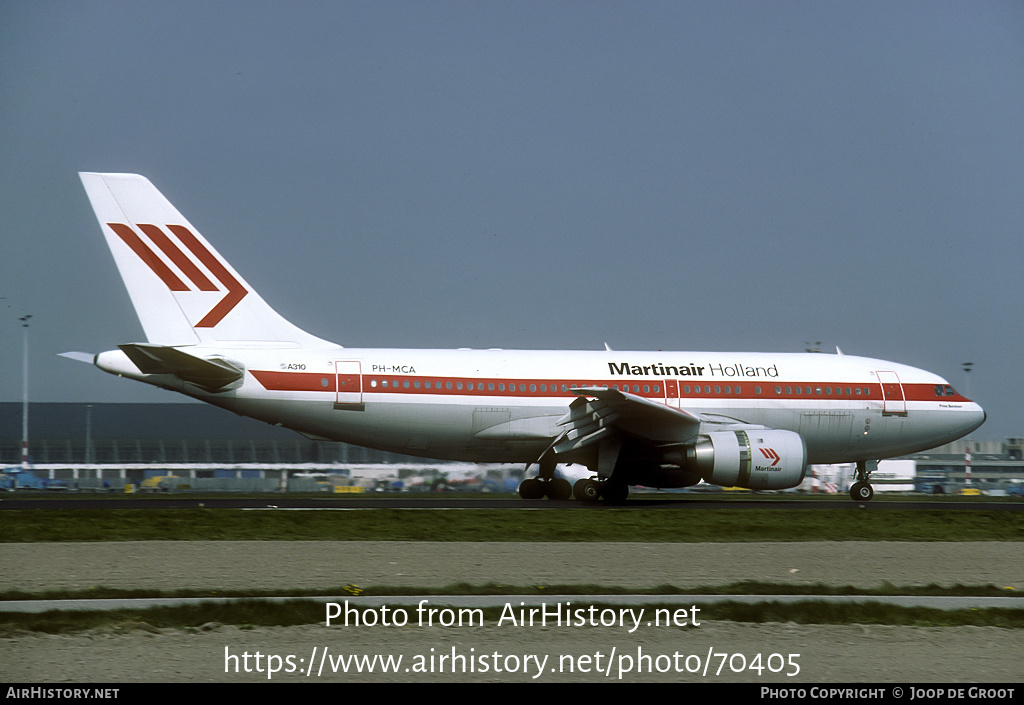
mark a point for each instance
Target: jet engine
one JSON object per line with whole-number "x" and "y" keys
{"x": 755, "y": 459}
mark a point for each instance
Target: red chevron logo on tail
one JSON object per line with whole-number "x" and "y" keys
{"x": 185, "y": 264}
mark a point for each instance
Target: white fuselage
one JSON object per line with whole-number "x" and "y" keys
{"x": 504, "y": 405}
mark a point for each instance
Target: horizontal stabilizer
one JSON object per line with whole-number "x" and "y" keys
{"x": 213, "y": 375}
{"x": 80, "y": 356}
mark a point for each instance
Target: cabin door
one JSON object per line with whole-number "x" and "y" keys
{"x": 349, "y": 383}
{"x": 894, "y": 401}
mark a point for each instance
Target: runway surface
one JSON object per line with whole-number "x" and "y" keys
{"x": 282, "y": 565}
{"x": 134, "y": 652}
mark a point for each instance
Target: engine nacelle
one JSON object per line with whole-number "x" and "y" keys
{"x": 757, "y": 459}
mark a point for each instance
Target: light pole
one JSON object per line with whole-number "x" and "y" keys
{"x": 88, "y": 434}
{"x": 967, "y": 393}
{"x": 24, "y": 394}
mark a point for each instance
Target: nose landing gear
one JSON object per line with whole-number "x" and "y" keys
{"x": 862, "y": 490}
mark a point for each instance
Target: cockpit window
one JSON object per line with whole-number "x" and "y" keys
{"x": 944, "y": 390}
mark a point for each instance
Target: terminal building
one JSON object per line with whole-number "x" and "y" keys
{"x": 174, "y": 446}
{"x": 197, "y": 446}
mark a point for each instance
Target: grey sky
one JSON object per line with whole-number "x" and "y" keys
{"x": 657, "y": 175}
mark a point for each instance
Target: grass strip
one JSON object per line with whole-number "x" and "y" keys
{"x": 746, "y": 587}
{"x": 633, "y": 524}
{"x": 256, "y": 613}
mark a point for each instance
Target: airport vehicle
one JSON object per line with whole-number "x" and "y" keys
{"x": 660, "y": 419}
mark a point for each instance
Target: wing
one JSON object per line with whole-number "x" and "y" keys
{"x": 598, "y": 413}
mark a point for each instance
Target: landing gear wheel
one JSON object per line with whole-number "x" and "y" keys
{"x": 558, "y": 489}
{"x": 615, "y": 492}
{"x": 531, "y": 489}
{"x": 586, "y": 490}
{"x": 862, "y": 492}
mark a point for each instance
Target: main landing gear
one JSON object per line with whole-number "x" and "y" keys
{"x": 862, "y": 490}
{"x": 546, "y": 484}
{"x": 583, "y": 490}
{"x": 538, "y": 488}
{"x": 603, "y": 485}
{"x": 593, "y": 489}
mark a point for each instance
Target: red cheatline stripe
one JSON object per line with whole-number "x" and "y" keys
{"x": 130, "y": 238}
{"x": 313, "y": 381}
{"x": 179, "y": 258}
{"x": 236, "y": 292}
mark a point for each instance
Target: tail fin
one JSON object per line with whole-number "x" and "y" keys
{"x": 183, "y": 291}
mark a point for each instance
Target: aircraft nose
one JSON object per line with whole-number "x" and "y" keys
{"x": 976, "y": 416}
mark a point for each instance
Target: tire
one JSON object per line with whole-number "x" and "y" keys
{"x": 586, "y": 490}
{"x": 531, "y": 489}
{"x": 862, "y": 492}
{"x": 558, "y": 489}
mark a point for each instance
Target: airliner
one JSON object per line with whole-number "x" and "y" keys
{"x": 654, "y": 419}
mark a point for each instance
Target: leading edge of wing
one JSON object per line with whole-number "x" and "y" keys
{"x": 598, "y": 412}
